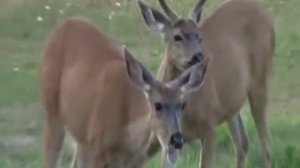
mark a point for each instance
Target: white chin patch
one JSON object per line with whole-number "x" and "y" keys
{"x": 172, "y": 155}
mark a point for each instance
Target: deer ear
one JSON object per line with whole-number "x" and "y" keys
{"x": 154, "y": 19}
{"x": 192, "y": 79}
{"x": 197, "y": 11}
{"x": 197, "y": 15}
{"x": 137, "y": 73}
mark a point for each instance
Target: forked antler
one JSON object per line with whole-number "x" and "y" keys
{"x": 197, "y": 10}
{"x": 170, "y": 13}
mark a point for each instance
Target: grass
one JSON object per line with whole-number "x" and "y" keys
{"x": 22, "y": 38}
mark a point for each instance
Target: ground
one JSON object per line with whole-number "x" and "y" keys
{"x": 23, "y": 30}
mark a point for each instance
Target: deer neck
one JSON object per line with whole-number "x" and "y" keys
{"x": 168, "y": 70}
{"x": 141, "y": 134}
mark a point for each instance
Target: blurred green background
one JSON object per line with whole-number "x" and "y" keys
{"x": 24, "y": 26}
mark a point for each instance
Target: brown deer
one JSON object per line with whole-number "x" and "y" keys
{"x": 239, "y": 39}
{"x": 108, "y": 101}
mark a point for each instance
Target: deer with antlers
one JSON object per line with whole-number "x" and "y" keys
{"x": 239, "y": 39}
{"x": 108, "y": 101}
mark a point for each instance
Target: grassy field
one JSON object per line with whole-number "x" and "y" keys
{"x": 24, "y": 26}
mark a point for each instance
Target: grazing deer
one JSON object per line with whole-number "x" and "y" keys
{"x": 239, "y": 38}
{"x": 108, "y": 101}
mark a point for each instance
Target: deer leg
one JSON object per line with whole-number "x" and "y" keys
{"x": 53, "y": 139}
{"x": 80, "y": 157}
{"x": 74, "y": 161}
{"x": 258, "y": 103}
{"x": 208, "y": 148}
{"x": 239, "y": 138}
{"x": 244, "y": 136}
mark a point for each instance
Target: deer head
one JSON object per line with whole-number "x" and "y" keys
{"x": 181, "y": 35}
{"x": 167, "y": 101}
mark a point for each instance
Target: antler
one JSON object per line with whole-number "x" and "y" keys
{"x": 171, "y": 14}
{"x": 197, "y": 10}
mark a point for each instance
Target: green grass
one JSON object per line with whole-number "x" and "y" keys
{"x": 22, "y": 39}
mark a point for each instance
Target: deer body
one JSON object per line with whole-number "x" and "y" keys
{"x": 80, "y": 70}
{"x": 107, "y": 100}
{"x": 238, "y": 37}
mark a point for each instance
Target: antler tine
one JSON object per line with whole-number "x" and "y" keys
{"x": 171, "y": 14}
{"x": 197, "y": 9}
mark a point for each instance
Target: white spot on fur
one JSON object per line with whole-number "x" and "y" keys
{"x": 181, "y": 96}
{"x": 160, "y": 26}
{"x": 183, "y": 89}
{"x": 147, "y": 87}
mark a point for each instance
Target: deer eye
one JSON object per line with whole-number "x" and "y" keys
{"x": 198, "y": 38}
{"x": 158, "y": 106}
{"x": 177, "y": 38}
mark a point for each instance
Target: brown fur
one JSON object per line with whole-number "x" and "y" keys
{"x": 239, "y": 39}
{"x": 71, "y": 68}
{"x": 97, "y": 91}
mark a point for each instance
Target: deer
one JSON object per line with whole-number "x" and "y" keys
{"x": 239, "y": 39}
{"x": 94, "y": 89}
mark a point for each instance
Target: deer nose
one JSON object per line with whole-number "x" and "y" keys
{"x": 198, "y": 57}
{"x": 177, "y": 140}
